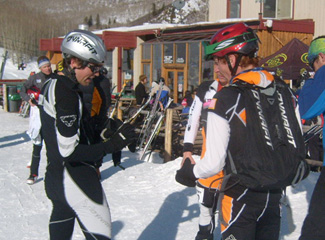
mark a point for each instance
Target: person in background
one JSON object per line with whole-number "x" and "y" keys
{"x": 29, "y": 93}
{"x": 311, "y": 104}
{"x": 71, "y": 180}
{"x": 187, "y": 102}
{"x": 141, "y": 94}
{"x": 105, "y": 84}
{"x": 207, "y": 189}
{"x": 96, "y": 104}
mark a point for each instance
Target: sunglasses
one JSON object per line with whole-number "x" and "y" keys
{"x": 94, "y": 68}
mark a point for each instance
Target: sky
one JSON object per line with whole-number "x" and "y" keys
{"x": 146, "y": 202}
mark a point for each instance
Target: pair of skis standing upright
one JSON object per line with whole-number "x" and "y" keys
{"x": 152, "y": 124}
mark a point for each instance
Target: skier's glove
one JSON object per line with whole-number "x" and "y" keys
{"x": 120, "y": 139}
{"x": 116, "y": 156}
{"x": 110, "y": 127}
{"x": 185, "y": 175}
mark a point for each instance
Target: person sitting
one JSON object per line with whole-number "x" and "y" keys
{"x": 187, "y": 102}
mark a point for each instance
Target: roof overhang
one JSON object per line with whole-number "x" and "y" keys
{"x": 126, "y": 37}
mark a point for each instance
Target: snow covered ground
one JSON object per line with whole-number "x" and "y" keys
{"x": 146, "y": 203}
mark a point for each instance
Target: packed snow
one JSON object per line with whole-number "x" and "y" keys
{"x": 145, "y": 200}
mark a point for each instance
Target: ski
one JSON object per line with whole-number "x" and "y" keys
{"x": 117, "y": 99}
{"x": 138, "y": 112}
{"x": 129, "y": 120}
{"x": 24, "y": 109}
{"x": 312, "y": 132}
{"x": 154, "y": 133}
{"x": 150, "y": 119}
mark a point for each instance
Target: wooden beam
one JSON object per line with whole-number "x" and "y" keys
{"x": 168, "y": 135}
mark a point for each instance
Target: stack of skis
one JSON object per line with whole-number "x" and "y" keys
{"x": 151, "y": 126}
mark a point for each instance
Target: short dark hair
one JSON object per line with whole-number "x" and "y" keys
{"x": 142, "y": 77}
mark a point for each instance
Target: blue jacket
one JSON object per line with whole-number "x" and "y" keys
{"x": 312, "y": 98}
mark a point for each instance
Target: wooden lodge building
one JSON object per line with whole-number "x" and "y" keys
{"x": 175, "y": 52}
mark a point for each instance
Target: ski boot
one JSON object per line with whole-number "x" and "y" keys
{"x": 32, "y": 179}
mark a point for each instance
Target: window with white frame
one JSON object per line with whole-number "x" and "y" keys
{"x": 277, "y": 9}
{"x": 234, "y": 8}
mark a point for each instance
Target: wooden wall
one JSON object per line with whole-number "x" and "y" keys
{"x": 274, "y": 40}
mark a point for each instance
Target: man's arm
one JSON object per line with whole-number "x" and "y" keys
{"x": 28, "y": 84}
{"x": 218, "y": 133}
{"x": 311, "y": 97}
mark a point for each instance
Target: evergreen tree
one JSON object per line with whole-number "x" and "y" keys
{"x": 172, "y": 15}
{"x": 86, "y": 20}
{"x": 90, "y": 21}
{"x": 97, "y": 21}
{"x": 154, "y": 10}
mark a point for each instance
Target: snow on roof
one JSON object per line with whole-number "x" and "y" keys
{"x": 148, "y": 26}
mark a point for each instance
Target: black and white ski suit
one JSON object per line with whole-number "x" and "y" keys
{"x": 71, "y": 181}
{"x": 198, "y": 116}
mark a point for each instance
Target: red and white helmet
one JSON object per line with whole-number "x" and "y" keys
{"x": 236, "y": 38}
{"x": 34, "y": 92}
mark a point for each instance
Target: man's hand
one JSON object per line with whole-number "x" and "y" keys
{"x": 187, "y": 155}
{"x": 185, "y": 175}
{"x": 120, "y": 139}
{"x": 31, "y": 102}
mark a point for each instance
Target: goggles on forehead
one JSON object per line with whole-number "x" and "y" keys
{"x": 219, "y": 46}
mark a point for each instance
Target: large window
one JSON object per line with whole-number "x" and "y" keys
{"x": 180, "y": 53}
{"x": 127, "y": 67}
{"x": 146, "y": 51}
{"x": 277, "y": 9}
{"x": 179, "y": 62}
{"x": 233, "y": 8}
{"x": 146, "y": 70}
{"x": 194, "y": 66}
{"x": 156, "y": 62}
{"x": 109, "y": 64}
{"x": 169, "y": 53}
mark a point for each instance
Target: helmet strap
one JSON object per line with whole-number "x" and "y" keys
{"x": 71, "y": 74}
{"x": 233, "y": 70}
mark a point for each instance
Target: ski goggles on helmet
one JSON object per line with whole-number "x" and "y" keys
{"x": 211, "y": 49}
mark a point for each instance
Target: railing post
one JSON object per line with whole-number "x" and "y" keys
{"x": 5, "y": 97}
{"x": 168, "y": 135}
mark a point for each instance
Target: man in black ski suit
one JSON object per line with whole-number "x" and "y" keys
{"x": 71, "y": 180}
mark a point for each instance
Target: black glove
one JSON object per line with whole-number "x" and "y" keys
{"x": 110, "y": 127}
{"x": 132, "y": 146}
{"x": 185, "y": 175}
{"x": 120, "y": 139}
{"x": 116, "y": 156}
